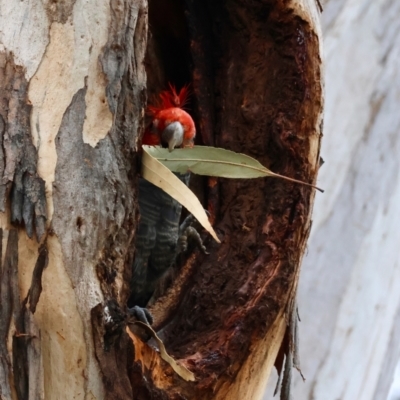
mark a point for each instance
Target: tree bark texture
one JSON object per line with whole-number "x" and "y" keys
{"x": 74, "y": 79}
{"x": 349, "y": 293}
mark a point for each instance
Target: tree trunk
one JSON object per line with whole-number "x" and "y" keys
{"x": 349, "y": 294}
{"x": 73, "y": 90}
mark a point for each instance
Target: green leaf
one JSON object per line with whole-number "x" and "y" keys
{"x": 214, "y": 161}
{"x": 162, "y": 177}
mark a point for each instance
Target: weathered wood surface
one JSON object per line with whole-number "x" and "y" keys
{"x": 349, "y": 292}
{"x": 73, "y": 89}
{"x": 72, "y": 86}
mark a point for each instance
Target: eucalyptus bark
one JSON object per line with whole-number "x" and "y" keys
{"x": 349, "y": 293}
{"x": 74, "y": 80}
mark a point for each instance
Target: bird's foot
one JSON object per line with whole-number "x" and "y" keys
{"x": 188, "y": 233}
{"x": 191, "y": 234}
{"x": 141, "y": 314}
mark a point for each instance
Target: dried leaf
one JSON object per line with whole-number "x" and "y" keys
{"x": 162, "y": 177}
{"x": 181, "y": 370}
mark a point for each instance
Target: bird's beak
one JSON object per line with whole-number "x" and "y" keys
{"x": 172, "y": 143}
{"x": 173, "y": 135}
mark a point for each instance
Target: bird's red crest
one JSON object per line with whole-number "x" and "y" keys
{"x": 170, "y": 99}
{"x": 166, "y": 109}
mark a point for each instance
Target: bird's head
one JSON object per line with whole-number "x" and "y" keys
{"x": 171, "y": 126}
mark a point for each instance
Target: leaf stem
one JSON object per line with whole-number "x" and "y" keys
{"x": 296, "y": 181}
{"x": 264, "y": 171}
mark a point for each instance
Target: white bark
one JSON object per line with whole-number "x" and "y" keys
{"x": 349, "y": 292}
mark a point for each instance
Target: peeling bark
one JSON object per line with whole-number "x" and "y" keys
{"x": 114, "y": 352}
{"x": 19, "y": 373}
{"x": 18, "y": 156}
{"x": 5, "y": 320}
{"x": 36, "y": 285}
{"x": 90, "y": 192}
